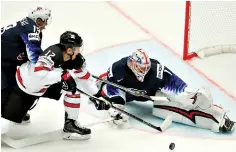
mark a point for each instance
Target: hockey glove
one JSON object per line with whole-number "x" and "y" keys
{"x": 100, "y": 105}
{"x": 68, "y": 82}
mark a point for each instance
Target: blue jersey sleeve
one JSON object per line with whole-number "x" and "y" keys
{"x": 115, "y": 74}
{"x": 31, "y": 36}
{"x": 166, "y": 79}
{"x": 171, "y": 82}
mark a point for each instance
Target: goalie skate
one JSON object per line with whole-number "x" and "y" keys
{"x": 228, "y": 125}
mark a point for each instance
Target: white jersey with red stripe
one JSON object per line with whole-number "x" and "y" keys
{"x": 34, "y": 79}
{"x": 36, "y": 82}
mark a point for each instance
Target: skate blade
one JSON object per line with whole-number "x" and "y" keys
{"x": 75, "y": 136}
{"x": 232, "y": 126}
{"x": 25, "y": 122}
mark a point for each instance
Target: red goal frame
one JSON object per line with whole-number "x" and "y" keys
{"x": 186, "y": 54}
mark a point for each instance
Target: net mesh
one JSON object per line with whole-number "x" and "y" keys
{"x": 211, "y": 24}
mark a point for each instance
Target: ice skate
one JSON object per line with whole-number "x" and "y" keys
{"x": 74, "y": 131}
{"x": 228, "y": 125}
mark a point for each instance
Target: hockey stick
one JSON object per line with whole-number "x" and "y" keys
{"x": 50, "y": 136}
{"x": 132, "y": 91}
{"x": 161, "y": 128}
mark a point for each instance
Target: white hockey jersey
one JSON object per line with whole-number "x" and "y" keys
{"x": 34, "y": 79}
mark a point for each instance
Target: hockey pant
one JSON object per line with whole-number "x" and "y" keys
{"x": 15, "y": 107}
{"x": 19, "y": 103}
{"x": 8, "y": 81}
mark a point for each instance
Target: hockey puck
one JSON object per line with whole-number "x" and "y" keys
{"x": 172, "y": 146}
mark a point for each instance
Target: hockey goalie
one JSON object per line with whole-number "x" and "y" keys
{"x": 185, "y": 105}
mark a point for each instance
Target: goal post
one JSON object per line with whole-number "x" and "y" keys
{"x": 210, "y": 28}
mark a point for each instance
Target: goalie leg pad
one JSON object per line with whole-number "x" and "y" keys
{"x": 202, "y": 98}
{"x": 197, "y": 98}
{"x": 212, "y": 118}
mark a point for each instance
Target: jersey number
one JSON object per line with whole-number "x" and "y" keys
{"x": 50, "y": 54}
{"x": 3, "y": 29}
{"x": 36, "y": 29}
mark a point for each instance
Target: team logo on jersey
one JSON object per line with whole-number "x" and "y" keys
{"x": 120, "y": 80}
{"x": 33, "y": 36}
{"x": 65, "y": 86}
{"x": 191, "y": 114}
{"x": 21, "y": 56}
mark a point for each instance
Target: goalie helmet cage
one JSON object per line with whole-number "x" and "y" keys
{"x": 210, "y": 28}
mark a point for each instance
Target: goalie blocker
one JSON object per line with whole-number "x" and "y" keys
{"x": 185, "y": 105}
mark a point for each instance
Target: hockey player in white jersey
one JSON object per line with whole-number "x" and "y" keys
{"x": 52, "y": 72}
{"x": 186, "y": 105}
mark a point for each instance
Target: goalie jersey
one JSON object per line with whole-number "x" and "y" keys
{"x": 34, "y": 79}
{"x": 158, "y": 77}
{"x": 20, "y": 42}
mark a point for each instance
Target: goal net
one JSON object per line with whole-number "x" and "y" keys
{"x": 210, "y": 28}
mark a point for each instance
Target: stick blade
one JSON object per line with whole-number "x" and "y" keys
{"x": 167, "y": 122}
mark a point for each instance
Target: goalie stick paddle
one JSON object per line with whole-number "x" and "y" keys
{"x": 132, "y": 91}
{"x": 161, "y": 128}
{"x": 50, "y": 136}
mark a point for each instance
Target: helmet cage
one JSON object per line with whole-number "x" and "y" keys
{"x": 138, "y": 68}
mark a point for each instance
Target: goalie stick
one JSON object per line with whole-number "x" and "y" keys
{"x": 132, "y": 91}
{"x": 166, "y": 123}
{"x": 50, "y": 136}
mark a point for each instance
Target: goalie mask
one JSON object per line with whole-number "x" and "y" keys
{"x": 139, "y": 63}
